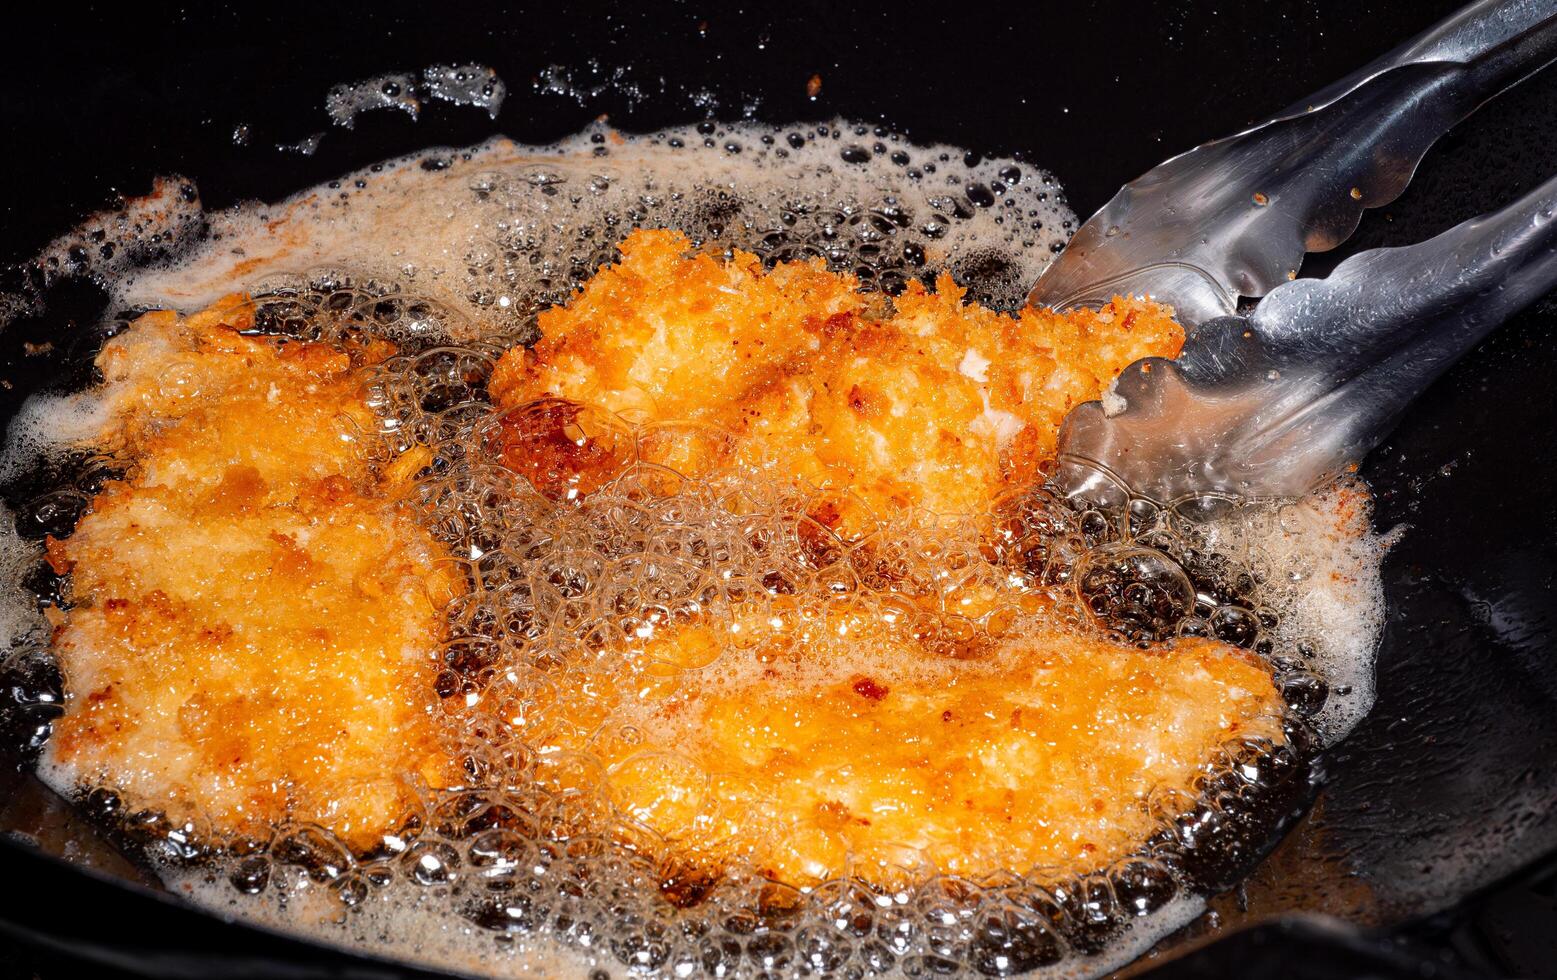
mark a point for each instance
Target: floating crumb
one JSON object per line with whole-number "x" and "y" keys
{"x": 814, "y": 86}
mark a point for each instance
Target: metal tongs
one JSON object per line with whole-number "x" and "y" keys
{"x": 1276, "y": 401}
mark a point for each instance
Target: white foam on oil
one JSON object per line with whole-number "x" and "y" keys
{"x": 492, "y": 234}
{"x": 21, "y": 624}
{"x": 481, "y": 227}
{"x": 1320, "y": 566}
{"x": 396, "y": 922}
{"x": 47, "y": 426}
{"x": 470, "y": 84}
{"x": 418, "y": 927}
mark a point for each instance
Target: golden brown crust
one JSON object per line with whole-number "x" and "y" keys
{"x": 808, "y": 755}
{"x": 938, "y": 404}
{"x": 254, "y": 614}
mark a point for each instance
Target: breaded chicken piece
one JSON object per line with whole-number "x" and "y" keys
{"x": 812, "y": 741}
{"x": 933, "y": 403}
{"x": 255, "y": 617}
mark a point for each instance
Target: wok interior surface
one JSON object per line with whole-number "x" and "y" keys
{"x": 1449, "y": 786}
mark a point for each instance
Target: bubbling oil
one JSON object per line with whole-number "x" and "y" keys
{"x": 530, "y": 865}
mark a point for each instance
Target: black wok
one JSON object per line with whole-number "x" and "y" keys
{"x": 1437, "y": 821}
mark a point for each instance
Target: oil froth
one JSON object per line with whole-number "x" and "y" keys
{"x": 451, "y": 255}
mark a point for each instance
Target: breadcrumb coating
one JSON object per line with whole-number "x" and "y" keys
{"x": 925, "y": 402}
{"x": 816, "y": 742}
{"x": 253, "y": 610}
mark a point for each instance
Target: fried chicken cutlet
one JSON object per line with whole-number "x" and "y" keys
{"x": 254, "y": 615}
{"x": 828, "y": 741}
{"x": 927, "y": 402}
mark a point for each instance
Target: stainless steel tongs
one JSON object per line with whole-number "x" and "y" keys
{"x": 1274, "y": 402}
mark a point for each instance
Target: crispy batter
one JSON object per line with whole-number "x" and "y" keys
{"x": 828, "y": 739}
{"x": 936, "y": 404}
{"x": 254, "y": 614}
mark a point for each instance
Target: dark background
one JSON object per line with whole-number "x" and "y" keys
{"x": 104, "y": 96}
{"x": 1447, "y": 791}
